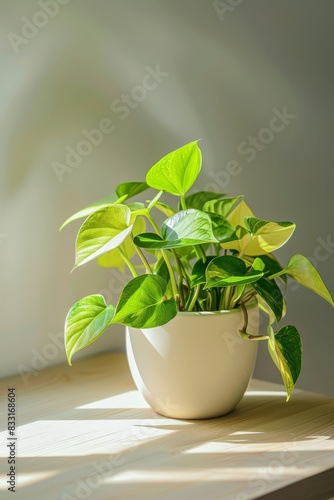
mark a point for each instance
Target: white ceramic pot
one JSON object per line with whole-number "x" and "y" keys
{"x": 195, "y": 366}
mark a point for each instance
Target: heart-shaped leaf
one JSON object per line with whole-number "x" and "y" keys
{"x": 271, "y": 294}
{"x": 228, "y": 270}
{"x": 285, "y": 349}
{"x": 304, "y": 272}
{"x": 177, "y": 171}
{"x": 266, "y": 236}
{"x": 101, "y": 232}
{"x": 85, "y": 322}
{"x": 143, "y": 304}
{"x": 256, "y": 236}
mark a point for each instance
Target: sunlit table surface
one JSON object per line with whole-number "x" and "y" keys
{"x": 85, "y": 432}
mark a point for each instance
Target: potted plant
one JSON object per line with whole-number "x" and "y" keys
{"x": 191, "y": 310}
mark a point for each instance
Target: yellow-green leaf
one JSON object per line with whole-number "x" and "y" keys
{"x": 285, "y": 349}
{"x": 101, "y": 232}
{"x": 304, "y": 272}
{"x": 177, "y": 171}
{"x": 94, "y": 207}
{"x": 113, "y": 257}
{"x": 85, "y": 322}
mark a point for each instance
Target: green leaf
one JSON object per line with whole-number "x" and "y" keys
{"x": 285, "y": 349}
{"x": 221, "y": 207}
{"x": 271, "y": 294}
{"x": 94, "y": 207}
{"x": 85, "y": 322}
{"x": 113, "y": 258}
{"x": 198, "y": 200}
{"x": 301, "y": 270}
{"x": 228, "y": 270}
{"x": 130, "y": 189}
{"x": 198, "y": 276}
{"x": 185, "y": 228}
{"x": 189, "y": 225}
{"x": 177, "y": 171}
{"x": 143, "y": 304}
{"x": 101, "y": 232}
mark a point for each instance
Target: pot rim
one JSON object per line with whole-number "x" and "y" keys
{"x": 250, "y": 305}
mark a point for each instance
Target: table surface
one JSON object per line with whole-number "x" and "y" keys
{"x": 85, "y": 432}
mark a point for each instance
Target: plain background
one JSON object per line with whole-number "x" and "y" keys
{"x": 227, "y": 71}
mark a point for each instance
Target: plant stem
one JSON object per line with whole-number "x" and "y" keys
{"x": 217, "y": 249}
{"x": 200, "y": 252}
{"x": 234, "y": 297}
{"x": 143, "y": 259}
{"x": 167, "y": 260}
{"x": 249, "y": 297}
{"x": 183, "y": 203}
{"x": 209, "y": 301}
{"x": 180, "y": 279}
{"x": 128, "y": 262}
{"x": 277, "y": 274}
{"x": 248, "y": 336}
{"x": 244, "y": 310}
{"x": 215, "y": 299}
{"x": 226, "y": 298}
{"x": 155, "y": 199}
{"x": 181, "y": 269}
{"x": 243, "y": 332}
{"x": 194, "y": 298}
{"x": 171, "y": 273}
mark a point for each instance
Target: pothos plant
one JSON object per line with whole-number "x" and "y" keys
{"x": 211, "y": 253}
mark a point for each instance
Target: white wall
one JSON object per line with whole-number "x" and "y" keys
{"x": 226, "y": 74}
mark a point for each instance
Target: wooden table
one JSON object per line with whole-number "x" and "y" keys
{"x": 85, "y": 432}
